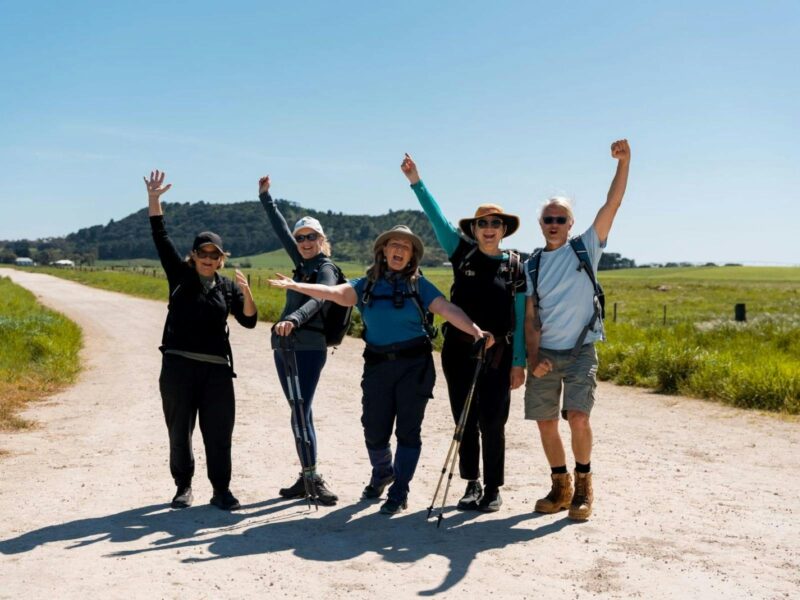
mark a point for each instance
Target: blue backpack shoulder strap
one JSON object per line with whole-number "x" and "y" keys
{"x": 532, "y": 265}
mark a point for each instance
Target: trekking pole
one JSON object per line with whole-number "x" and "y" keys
{"x": 298, "y": 419}
{"x": 455, "y": 444}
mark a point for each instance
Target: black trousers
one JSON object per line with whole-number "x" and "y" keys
{"x": 190, "y": 388}
{"x": 489, "y": 410}
{"x": 396, "y": 390}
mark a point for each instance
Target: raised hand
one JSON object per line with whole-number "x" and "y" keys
{"x": 263, "y": 185}
{"x": 282, "y": 281}
{"x": 409, "y": 168}
{"x": 621, "y": 150}
{"x": 241, "y": 280}
{"x": 155, "y": 186}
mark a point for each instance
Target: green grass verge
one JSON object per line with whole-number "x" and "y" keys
{"x": 38, "y": 352}
{"x": 697, "y": 350}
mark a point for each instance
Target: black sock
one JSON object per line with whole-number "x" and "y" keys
{"x": 581, "y": 468}
{"x": 558, "y": 470}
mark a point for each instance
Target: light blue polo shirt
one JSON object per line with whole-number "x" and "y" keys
{"x": 387, "y": 324}
{"x": 566, "y": 294}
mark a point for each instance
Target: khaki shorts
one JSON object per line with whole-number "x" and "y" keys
{"x": 576, "y": 377}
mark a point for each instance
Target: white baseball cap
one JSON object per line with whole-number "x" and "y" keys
{"x": 308, "y": 223}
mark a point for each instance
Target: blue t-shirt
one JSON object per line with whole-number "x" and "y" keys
{"x": 566, "y": 293}
{"x": 387, "y": 324}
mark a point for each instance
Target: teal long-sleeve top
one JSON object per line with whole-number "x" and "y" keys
{"x": 448, "y": 237}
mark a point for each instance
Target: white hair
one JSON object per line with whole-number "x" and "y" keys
{"x": 560, "y": 201}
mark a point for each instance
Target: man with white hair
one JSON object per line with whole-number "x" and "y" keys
{"x": 562, "y": 321}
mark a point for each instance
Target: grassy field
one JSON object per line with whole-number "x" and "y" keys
{"x": 38, "y": 352}
{"x": 697, "y": 349}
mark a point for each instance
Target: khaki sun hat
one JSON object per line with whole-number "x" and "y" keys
{"x": 401, "y": 231}
{"x": 488, "y": 210}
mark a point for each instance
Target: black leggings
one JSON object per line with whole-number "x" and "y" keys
{"x": 190, "y": 388}
{"x": 489, "y": 410}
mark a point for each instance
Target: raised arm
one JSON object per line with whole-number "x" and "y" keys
{"x": 621, "y": 151}
{"x": 343, "y": 293}
{"x": 277, "y": 221}
{"x": 446, "y": 234}
{"x": 167, "y": 252}
{"x": 458, "y": 318}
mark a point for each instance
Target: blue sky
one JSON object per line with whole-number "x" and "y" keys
{"x": 509, "y": 102}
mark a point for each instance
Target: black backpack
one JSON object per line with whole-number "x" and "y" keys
{"x": 335, "y": 317}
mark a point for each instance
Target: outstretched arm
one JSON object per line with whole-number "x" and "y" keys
{"x": 167, "y": 252}
{"x": 605, "y": 216}
{"x": 277, "y": 221}
{"x": 457, "y": 317}
{"x": 343, "y": 293}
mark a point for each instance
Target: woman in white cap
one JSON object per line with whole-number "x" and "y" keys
{"x": 197, "y": 367}
{"x": 489, "y": 285}
{"x": 301, "y": 319}
{"x": 393, "y": 299}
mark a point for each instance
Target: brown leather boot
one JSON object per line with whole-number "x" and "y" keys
{"x": 580, "y": 508}
{"x": 559, "y": 496}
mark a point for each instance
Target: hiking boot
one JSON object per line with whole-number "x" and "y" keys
{"x": 392, "y": 507}
{"x": 183, "y": 497}
{"x": 223, "y": 499}
{"x": 470, "y": 499}
{"x": 373, "y": 492}
{"x": 296, "y": 490}
{"x": 490, "y": 501}
{"x": 559, "y": 496}
{"x": 324, "y": 495}
{"x": 580, "y": 508}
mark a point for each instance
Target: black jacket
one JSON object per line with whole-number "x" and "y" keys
{"x": 196, "y": 319}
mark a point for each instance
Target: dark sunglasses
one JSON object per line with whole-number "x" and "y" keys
{"x": 551, "y": 220}
{"x": 213, "y": 255}
{"x": 494, "y": 223}
{"x": 311, "y": 237}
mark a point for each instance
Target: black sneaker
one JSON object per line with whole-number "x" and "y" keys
{"x": 296, "y": 490}
{"x": 392, "y": 507}
{"x": 471, "y": 497}
{"x": 491, "y": 500}
{"x": 183, "y": 497}
{"x": 324, "y": 495}
{"x": 225, "y": 500}
{"x": 373, "y": 492}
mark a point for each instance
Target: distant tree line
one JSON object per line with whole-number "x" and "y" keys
{"x": 243, "y": 226}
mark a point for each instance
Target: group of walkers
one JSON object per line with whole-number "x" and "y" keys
{"x": 508, "y": 314}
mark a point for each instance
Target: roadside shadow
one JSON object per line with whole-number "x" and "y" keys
{"x": 345, "y": 533}
{"x": 138, "y": 523}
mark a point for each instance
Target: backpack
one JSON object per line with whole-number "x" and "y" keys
{"x": 335, "y": 317}
{"x": 513, "y": 276}
{"x": 412, "y": 293}
{"x": 584, "y": 264}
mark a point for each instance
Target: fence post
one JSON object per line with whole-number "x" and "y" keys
{"x": 615, "y": 312}
{"x": 665, "y": 314}
{"x": 248, "y": 279}
{"x": 740, "y": 312}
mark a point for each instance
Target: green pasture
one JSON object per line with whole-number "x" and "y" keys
{"x": 674, "y": 328}
{"x": 38, "y": 352}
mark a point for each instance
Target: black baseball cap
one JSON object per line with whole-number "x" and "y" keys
{"x": 207, "y": 237}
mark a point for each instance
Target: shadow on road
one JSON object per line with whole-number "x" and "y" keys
{"x": 278, "y": 525}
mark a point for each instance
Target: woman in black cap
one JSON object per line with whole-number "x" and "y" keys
{"x": 197, "y": 366}
{"x": 301, "y": 320}
{"x": 489, "y": 285}
{"x": 393, "y": 299}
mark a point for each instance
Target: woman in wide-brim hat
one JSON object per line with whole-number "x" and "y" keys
{"x": 301, "y": 321}
{"x": 399, "y": 374}
{"x": 489, "y": 285}
{"x": 196, "y": 378}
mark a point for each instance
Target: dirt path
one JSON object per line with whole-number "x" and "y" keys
{"x": 693, "y": 500}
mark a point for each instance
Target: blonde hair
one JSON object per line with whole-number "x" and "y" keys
{"x": 325, "y": 245}
{"x": 379, "y": 267}
{"x": 561, "y": 202}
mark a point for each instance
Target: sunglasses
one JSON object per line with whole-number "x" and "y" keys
{"x": 493, "y": 223}
{"x": 311, "y": 237}
{"x": 551, "y": 220}
{"x": 213, "y": 255}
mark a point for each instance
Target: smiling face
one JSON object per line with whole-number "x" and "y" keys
{"x": 207, "y": 260}
{"x": 306, "y": 246}
{"x": 556, "y": 224}
{"x": 398, "y": 252}
{"x": 488, "y": 231}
